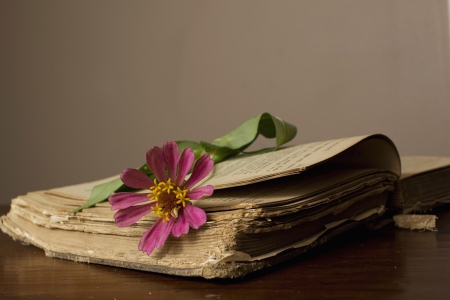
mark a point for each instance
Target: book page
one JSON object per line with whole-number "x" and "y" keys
{"x": 79, "y": 191}
{"x": 368, "y": 152}
{"x": 243, "y": 168}
{"x": 375, "y": 151}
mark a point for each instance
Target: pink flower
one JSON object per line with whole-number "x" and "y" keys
{"x": 169, "y": 195}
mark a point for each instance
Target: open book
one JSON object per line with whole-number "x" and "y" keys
{"x": 265, "y": 209}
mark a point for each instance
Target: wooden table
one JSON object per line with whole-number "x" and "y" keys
{"x": 389, "y": 263}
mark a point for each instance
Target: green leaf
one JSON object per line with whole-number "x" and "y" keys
{"x": 218, "y": 153}
{"x": 244, "y": 135}
{"x": 102, "y": 191}
{"x": 266, "y": 124}
{"x": 219, "y": 150}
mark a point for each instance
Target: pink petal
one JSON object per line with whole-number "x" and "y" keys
{"x": 128, "y": 216}
{"x": 181, "y": 226}
{"x": 166, "y": 228}
{"x": 124, "y": 200}
{"x": 184, "y": 165}
{"x": 195, "y": 216}
{"x": 170, "y": 154}
{"x": 156, "y": 236}
{"x": 136, "y": 179}
{"x": 202, "y": 167}
{"x": 155, "y": 162}
{"x": 198, "y": 193}
{"x": 148, "y": 240}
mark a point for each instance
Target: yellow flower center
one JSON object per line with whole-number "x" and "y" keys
{"x": 169, "y": 199}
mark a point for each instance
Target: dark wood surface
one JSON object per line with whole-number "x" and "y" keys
{"x": 389, "y": 263}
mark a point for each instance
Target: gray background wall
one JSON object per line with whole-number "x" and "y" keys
{"x": 86, "y": 87}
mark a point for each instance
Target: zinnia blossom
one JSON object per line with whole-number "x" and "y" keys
{"x": 169, "y": 195}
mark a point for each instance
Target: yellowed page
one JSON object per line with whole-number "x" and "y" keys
{"x": 80, "y": 191}
{"x": 366, "y": 152}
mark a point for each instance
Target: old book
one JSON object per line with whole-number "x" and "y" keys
{"x": 265, "y": 209}
{"x": 424, "y": 184}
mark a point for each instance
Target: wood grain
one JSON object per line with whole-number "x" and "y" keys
{"x": 390, "y": 263}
